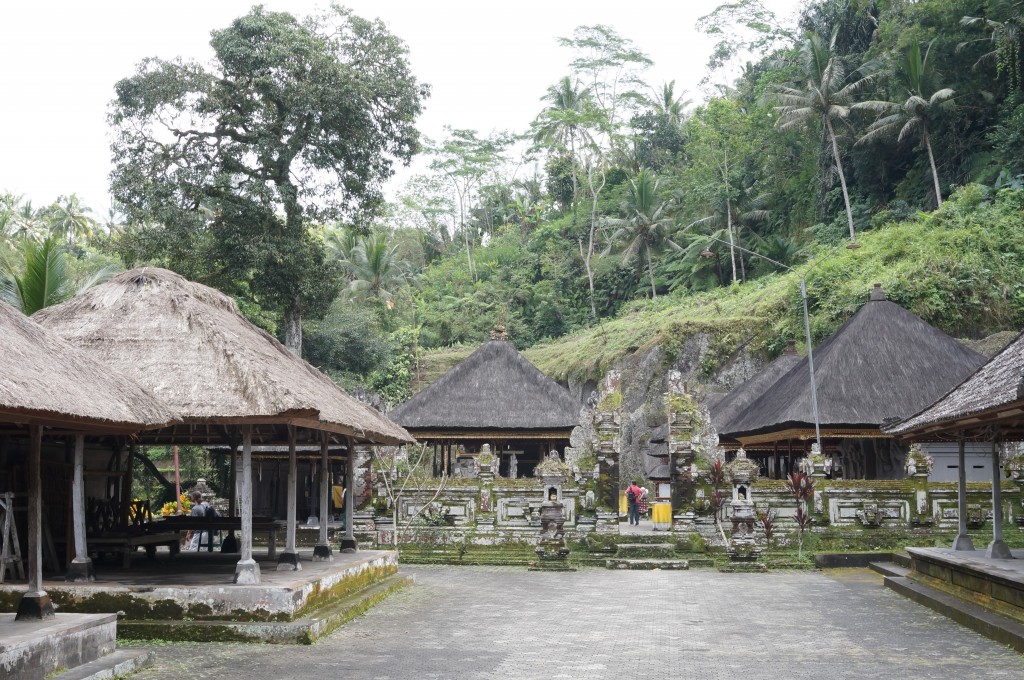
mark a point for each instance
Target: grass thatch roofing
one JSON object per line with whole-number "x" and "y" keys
{"x": 883, "y": 363}
{"x": 733, "y": 405}
{"x": 45, "y": 380}
{"x": 494, "y": 388}
{"x": 188, "y": 344}
{"x": 994, "y": 387}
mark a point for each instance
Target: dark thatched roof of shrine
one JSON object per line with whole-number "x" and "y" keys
{"x": 493, "y": 388}
{"x": 996, "y": 385}
{"x": 883, "y": 363}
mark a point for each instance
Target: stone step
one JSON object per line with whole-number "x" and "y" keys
{"x": 648, "y": 537}
{"x": 901, "y": 559}
{"x": 975, "y": 617}
{"x": 118, "y": 664}
{"x": 645, "y": 550}
{"x": 305, "y": 630}
{"x": 650, "y": 564}
{"x": 889, "y": 569}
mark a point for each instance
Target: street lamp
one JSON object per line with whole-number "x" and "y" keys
{"x": 807, "y": 329}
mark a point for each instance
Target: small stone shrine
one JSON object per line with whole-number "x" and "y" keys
{"x": 552, "y": 551}
{"x": 743, "y": 544}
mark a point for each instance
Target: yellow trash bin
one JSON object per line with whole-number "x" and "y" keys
{"x": 661, "y": 513}
{"x": 623, "y": 504}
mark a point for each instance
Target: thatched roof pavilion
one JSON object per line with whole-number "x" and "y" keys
{"x": 883, "y": 363}
{"x": 991, "y": 398}
{"x": 227, "y": 379}
{"x": 734, "y": 404}
{"x": 46, "y": 381}
{"x": 190, "y": 346}
{"x": 494, "y": 396}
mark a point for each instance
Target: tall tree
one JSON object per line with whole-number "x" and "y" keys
{"x": 823, "y": 96}
{"x": 920, "y": 82}
{"x": 294, "y": 121}
{"x": 645, "y": 223}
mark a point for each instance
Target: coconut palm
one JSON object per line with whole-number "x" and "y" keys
{"x": 824, "y": 97}
{"x": 45, "y": 279}
{"x": 920, "y": 82}
{"x": 1004, "y": 23}
{"x": 565, "y": 122}
{"x": 734, "y": 211}
{"x": 375, "y": 269}
{"x": 645, "y": 224}
{"x": 668, "y": 104}
{"x": 69, "y": 219}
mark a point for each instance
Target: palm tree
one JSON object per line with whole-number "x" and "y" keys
{"x": 825, "y": 97}
{"x": 1004, "y": 35}
{"x": 565, "y": 121}
{"x": 734, "y": 211}
{"x": 375, "y": 269}
{"x": 919, "y": 80}
{"x": 68, "y": 219}
{"x": 668, "y": 104}
{"x": 45, "y": 279}
{"x": 645, "y": 224}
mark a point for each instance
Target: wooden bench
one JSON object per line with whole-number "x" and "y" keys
{"x": 126, "y": 544}
{"x": 181, "y": 523}
{"x": 106, "y": 531}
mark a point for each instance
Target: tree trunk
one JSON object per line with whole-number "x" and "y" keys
{"x": 842, "y": 176}
{"x": 590, "y": 240}
{"x": 728, "y": 212}
{"x": 293, "y": 327}
{"x": 650, "y": 272}
{"x": 935, "y": 173}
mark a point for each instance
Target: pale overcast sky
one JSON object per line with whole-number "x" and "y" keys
{"x": 488, "y": 63}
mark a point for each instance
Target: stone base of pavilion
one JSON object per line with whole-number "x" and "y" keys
{"x": 33, "y": 650}
{"x": 979, "y": 592}
{"x": 191, "y": 596}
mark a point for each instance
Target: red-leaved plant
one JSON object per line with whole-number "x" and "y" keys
{"x": 801, "y": 485}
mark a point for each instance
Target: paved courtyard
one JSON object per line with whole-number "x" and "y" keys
{"x": 469, "y": 622}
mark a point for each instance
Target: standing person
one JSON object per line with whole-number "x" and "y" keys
{"x": 643, "y": 503}
{"x": 633, "y": 502}
{"x": 200, "y": 508}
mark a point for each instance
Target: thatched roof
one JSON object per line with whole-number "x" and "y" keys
{"x": 44, "y": 380}
{"x": 493, "y": 388}
{"x": 188, "y": 344}
{"x": 883, "y": 363}
{"x": 995, "y": 392}
{"x": 734, "y": 404}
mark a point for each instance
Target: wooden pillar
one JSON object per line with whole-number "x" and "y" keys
{"x": 35, "y": 603}
{"x": 348, "y": 544}
{"x": 81, "y": 569}
{"x": 997, "y": 549}
{"x": 962, "y": 541}
{"x": 322, "y": 550}
{"x": 289, "y": 559}
{"x": 247, "y": 571}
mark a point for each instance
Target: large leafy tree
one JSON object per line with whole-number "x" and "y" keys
{"x": 824, "y": 94}
{"x": 222, "y": 167}
{"x": 921, "y": 84}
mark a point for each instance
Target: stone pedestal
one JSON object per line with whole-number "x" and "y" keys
{"x": 552, "y": 552}
{"x": 322, "y": 553}
{"x": 247, "y": 573}
{"x": 743, "y": 544}
{"x": 80, "y": 571}
{"x": 35, "y": 606}
{"x": 289, "y": 561}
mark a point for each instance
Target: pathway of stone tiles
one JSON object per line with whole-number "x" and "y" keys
{"x": 478, "y": 622}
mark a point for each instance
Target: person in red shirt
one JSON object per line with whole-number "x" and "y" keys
{"x": 633, "y": 502}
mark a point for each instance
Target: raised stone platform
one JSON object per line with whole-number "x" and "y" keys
{"x": 193, "y": 598}
{"x": 997, "y": 585}
{"x": 32, "y": 650}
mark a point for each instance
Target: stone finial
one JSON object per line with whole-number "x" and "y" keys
{"x": 877, "y": 294}
{"x": 498, "y": 333}
{"x": 790, "y": 348}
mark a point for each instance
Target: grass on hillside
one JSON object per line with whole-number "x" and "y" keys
{"x": 960, "y": 268}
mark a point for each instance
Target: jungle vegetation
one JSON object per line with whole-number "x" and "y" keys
{"x": 622, "y": 214}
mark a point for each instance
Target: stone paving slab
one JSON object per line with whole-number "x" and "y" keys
{"x": 501, "y": 622}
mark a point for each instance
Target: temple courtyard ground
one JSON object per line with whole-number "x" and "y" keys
{"x": 502, "y": 622}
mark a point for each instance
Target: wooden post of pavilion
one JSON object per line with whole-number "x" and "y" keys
{"x": 230, "y": 542}
{"x": 997, "y": 549}
{"x": 35, "y": 603}
{"x": 348, "y": 544}
{"x": 322, "y": 550}
{"x": 289, "y": 559}
{"x": 247, "y": 571}
{"x": 81, "y": 568}
{"x": 963, "y": 540}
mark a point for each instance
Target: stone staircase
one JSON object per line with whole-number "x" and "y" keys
{"x": 900, "y": 578}
{"x": 647, "y": 552}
